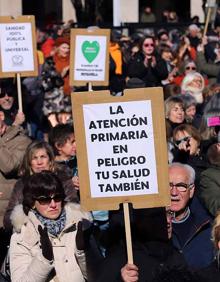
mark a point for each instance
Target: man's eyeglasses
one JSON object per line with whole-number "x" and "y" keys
{"x": 184, "y": 139}
{"x": 43, "y": 200}
{"x": 148, "y": 45}
{"x": 190, "y": 68}
{"x": 181, "y": 187}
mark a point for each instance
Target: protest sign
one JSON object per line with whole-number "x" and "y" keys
{"x": 89, "y": 55}
{"x": 18, "y": 46}
{"x": 211, "y": 5}
{"x": 121, "y": 148}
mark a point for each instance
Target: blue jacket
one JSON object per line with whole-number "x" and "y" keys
{"x": 198, "y": 249}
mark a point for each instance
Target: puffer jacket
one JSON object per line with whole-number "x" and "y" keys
{"x": 63, "y": 173}
{"x": 27, "y": 264}
{"x": 12, "y": 148}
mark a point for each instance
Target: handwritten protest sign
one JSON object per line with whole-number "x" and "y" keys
{"x": 18, "y": 46}
{"x": 89, "y": 56}
{"x": 124, "y": 135}
{"x": 121, "y": 148}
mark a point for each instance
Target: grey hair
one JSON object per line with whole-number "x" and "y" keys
{"x": 188, "y": 100}
{"x": 190, "y": 170}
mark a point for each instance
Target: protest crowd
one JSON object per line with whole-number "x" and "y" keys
{"x": 44, "y": 233}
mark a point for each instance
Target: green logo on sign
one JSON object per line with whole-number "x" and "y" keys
{"x": 90, "y": 50}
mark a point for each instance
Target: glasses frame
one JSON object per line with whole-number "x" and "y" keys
{"x": 184, "y": 139}
{"x": 3, "y": 94}
{"x": 149, "y": 45}
{"x": 190, "y": 68}
{"x": 181, "y": 186}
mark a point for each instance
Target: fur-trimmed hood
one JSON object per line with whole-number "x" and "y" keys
{"x": 73, "y": 215}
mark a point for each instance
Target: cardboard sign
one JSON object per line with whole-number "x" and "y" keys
{"x": 18, "y": 46}
{"x": 89, "y": 56}
{"x": 121, "y": 148}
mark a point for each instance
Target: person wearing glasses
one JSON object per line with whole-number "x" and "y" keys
{"x": 194, "y": 84}
{"x": 39, "y": 156}
{"x": 49, "y": 240}
{"x": 147, "y": 65}
{"x": 188, "y": 149}
{"x": 187, "y": 67}
{"x": 191, "y": 224}
{"x": 151, "y": 243}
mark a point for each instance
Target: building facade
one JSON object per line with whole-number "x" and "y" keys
{"x": 63, "y": 10}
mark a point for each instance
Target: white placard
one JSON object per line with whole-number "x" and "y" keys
{"x": 16, "y": 47}
{"x": 120, "y": 149}
{"x": 90, "y": 58}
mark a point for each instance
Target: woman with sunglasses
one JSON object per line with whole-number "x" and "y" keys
{"x": 188, "y": 149}
{"x": 187, "y": 67}
{"x": 8, "y": 103}
{"x": 147, "y": 65}
{"x": 39, "y": 156}
{"x": 48, "y": 243}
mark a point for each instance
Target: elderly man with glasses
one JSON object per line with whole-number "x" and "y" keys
{"x": 191, "y": 224}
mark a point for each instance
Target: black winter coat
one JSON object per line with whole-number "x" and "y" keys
{"x": 152, "y": 76}
{"x": 149, "y": 258}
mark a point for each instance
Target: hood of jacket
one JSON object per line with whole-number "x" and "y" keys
{"x": 73, "y": 215}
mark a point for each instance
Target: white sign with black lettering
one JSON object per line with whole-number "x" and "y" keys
{"x": 16, "y": 47}
{"x": 90, "y": 58}
{"x": 120, "y": 148}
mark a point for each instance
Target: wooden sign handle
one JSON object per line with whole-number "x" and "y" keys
{"x": 90, "y": 86}
{"x": 207, "y": 21}
{"x": 128, "y": 233}
{"x": 20, "y": 108}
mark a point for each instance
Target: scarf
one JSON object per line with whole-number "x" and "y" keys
{"x": 60, "y": 64}
{"x": 54, "y": 226}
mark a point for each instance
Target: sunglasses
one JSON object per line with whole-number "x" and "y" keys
{"x": 3, "y": 94}
{"x": 184, "y": 139}
{"x": 148, "y": 45}
{"x": 190, "y": 68}
{"x": 47, "y": 200}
